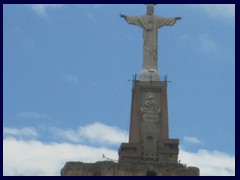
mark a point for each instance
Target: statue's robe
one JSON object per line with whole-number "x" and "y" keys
{"x": 150, "y": 25}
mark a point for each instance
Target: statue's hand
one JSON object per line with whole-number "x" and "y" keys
{"x": 122, "y": 16}
{"x": 178, "y": 18}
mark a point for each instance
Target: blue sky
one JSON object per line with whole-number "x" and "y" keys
{"x": 66, "y": 83}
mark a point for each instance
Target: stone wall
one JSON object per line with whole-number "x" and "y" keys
{"x": 109, "y": 168}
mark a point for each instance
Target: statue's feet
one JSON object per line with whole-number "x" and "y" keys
{"x": 149, "y": 75}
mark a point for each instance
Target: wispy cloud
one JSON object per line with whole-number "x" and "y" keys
{"x": 16, "y": 132}
{"x": 186, "y": 37}
{"x": 41, "y": 9}
{"x": 203, "y": 43}
{"x": 71, "y": 78}
{"x": 192, "y": 140}
{"x": 225, "y": 12}
{"x": 32, "y": 115}
{"x": 92, "y": 12}
{"x": 97, "y": 6}
{"x": 97, "y": 133}
{"x": 91, "y": 6}
{"x": 207, "y": 44}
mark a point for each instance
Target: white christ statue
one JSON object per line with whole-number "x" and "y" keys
{"x": 150, "y": 24}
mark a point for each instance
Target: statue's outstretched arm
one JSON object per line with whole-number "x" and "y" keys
{"x": 123, "y": 16}
{"x": 178, "y": 18}
{"x": 134, "y": 20}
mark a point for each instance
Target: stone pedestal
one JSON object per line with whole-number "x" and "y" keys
{"x": 149, "y": 138}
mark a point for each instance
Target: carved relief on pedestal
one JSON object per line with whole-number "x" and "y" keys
{"x": 150, "y": 111}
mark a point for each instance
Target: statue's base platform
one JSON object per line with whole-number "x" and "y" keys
{"x": 149, "y": 75}
{"x": 109, "y": 168}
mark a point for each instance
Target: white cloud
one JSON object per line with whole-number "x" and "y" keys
{"x": 67, "y": 135}
{"x": 34, "y": 158}
{"x": 211, "y": 163}
{"x": 192, "y": 140}
{"x": 32, "y": 115}
{"x": 41, "y": 9}
{"x": 71, "y": 78}
{"x": 95, "y": 133}
{"x": 24, "y": 132}
{"x": 98, "y": 132}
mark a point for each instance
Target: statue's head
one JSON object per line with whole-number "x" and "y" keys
{"x": 150, "y": 9}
